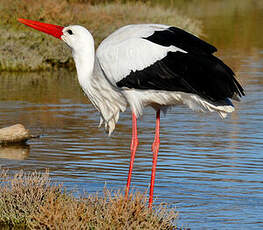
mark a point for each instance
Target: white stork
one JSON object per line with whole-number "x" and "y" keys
{"x": 147, "y": 65}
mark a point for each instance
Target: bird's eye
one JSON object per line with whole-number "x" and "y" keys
{"x": 70, "y": 32}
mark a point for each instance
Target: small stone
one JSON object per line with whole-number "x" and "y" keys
{"x": 14, "y": 134}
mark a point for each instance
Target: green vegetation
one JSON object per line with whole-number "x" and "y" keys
{"x": 23, "y": 49}
{"x": 31, "y": 201}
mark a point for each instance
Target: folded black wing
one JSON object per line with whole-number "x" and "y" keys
{"x": 194, "y": 70}
{"x": 179, "y": 38}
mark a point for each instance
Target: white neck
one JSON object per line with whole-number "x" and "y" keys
{"x": 84, "y": 61}
{"x": 103, "y": 96}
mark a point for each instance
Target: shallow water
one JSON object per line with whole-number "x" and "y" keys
{"x": 210, "y": 169}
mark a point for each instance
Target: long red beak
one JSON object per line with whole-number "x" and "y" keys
{"x": 53, "y": 30}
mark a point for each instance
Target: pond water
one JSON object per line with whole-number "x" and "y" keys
{"x": 210, "y": 169}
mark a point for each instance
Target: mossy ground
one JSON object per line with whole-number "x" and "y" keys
{"x": 23, "y": 49}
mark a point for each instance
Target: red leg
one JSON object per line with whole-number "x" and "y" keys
{"x": 155, "y": 150}
{"x": 134, "y": 144}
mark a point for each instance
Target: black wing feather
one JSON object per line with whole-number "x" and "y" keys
{"x": 196, "y": 71}
{"x": 181, "y": 39}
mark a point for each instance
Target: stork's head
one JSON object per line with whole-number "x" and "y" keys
{"x": 76, "y": 37}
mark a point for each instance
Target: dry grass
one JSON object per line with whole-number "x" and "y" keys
{"x": 31, "y": 201}
{"x": 22, "y": 49}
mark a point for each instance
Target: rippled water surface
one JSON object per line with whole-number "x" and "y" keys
{"x": 210, "y": 169}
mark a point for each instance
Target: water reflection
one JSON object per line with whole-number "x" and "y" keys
{"x": 14, "y": 152}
